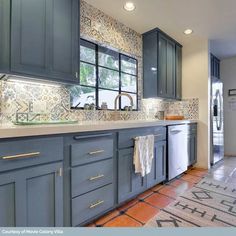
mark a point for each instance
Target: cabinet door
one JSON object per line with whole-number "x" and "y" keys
{"x": 178, "y": 60}
{"x": 158, "y": 172}
{"x": 162, "y": 72}
{"x": 170, "y": 79}
{"x": 192, "y": 149}
{"x": 32, "y": 197}
{"x": 4, "y": 35}
{"x": 64, "y": 54}
{"x": 150, "y": 68}
{"x": 45, "y": 38}
{"x": 129, "y": 183}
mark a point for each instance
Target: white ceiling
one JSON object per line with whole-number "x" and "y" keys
{"x": 211, "y": 19}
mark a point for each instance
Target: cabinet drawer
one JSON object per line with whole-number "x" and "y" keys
{"x": 29, "y": 152}
{"x": 126, "y": 137}
{"x": 91, "y": 204}
{"x": 91, "y": 149}
{"x": 89, "y": 177}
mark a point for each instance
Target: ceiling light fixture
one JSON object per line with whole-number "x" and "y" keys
{"x": 188, "y": 31}
{"x": 129, "y": 6}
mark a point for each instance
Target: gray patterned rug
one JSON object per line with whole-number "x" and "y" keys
{"x": 209, "y": 204}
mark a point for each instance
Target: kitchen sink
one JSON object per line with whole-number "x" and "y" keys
{"x": 54, "y": 122}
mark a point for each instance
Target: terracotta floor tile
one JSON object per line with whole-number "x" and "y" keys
{"x": 107, "y": 217}
{"x": 127, "y": 205}
{"x": 169, "y": 191}
{"x": 176, "y": 182}
{"x": 142, "y": 212}
{"x": 159, "y": 200}
{"x": 145, "y": 194}
{"x": 191, "y": 178}
{"x": 123, "y": 221}
{"x": 197, "y": 173}
{"x": 157, "y": 187}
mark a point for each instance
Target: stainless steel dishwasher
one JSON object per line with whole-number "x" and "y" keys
{"x": 177, "y": 150}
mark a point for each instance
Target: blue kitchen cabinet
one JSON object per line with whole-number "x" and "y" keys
{"x": 162, "y": 66}
{"x": 45, "y": 39}
{"x": 89, "y": 176}
{"x": 192, "y": 144}
{"x": 158, "y": 172}
{"x": 178, "y": 65}
{"x": 129, "y": 183}
{"x": 4, "y": 35}
{"x": 32, "y": 197}
{"x": 150, "y": 65}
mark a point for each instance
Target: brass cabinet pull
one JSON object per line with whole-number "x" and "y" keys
{"x": 59, "y": 172}
{"x": 96, "y": 152}
{"x": 96, "y": 177}
{"x": 96, "y": 204}
{"x": 76, "y": 75}
{"x": 25, "y": 155}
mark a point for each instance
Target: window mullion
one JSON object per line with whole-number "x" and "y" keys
{"x": 120, "y": 80}
{"x": 97, "y": 81}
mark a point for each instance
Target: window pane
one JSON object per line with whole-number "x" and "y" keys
{"x": 108, "y": 97}
{"x": 87, "y": 74}
{"x": 108, "y": 58}
{"x": 128, "y": 65}
{"x": 126, "y": 102}
{"x": 108, "y": 79}
{"x": 87, "y": 52}
{"x": 81, "y": 95}
{"x": 128, "y": 83}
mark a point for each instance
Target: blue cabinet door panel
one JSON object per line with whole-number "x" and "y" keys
{"x": 33, "y": 197}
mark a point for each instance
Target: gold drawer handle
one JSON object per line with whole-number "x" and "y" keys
{"x": 96, "y": 204}
{"x": 96, "y": 152}
{"x": 96, "y": 177}
{"x": 25, "y": 155}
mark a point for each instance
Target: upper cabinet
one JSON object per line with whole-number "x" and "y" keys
{"x": 215, "y": 67}
{"x": 45, "y": 38}
{"x": 4, "y": 35}
{"x": 162, "y": 66}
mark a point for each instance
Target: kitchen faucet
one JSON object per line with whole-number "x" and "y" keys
{"x": 123, "y": 94}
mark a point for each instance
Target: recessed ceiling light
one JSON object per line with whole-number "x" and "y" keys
{"x": 188, "y": 31}
{"x": 129, "y": 6}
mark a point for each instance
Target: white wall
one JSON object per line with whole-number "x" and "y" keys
{"x": 196, "y": 84}
{"x": 228, "y": 75}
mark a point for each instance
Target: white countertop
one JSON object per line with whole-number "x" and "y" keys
{"x": 14, "y": 131}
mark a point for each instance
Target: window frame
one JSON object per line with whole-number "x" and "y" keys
{"x": 96, "y": 47}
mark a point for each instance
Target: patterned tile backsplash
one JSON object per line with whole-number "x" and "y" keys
{"x": 33, "y": 101}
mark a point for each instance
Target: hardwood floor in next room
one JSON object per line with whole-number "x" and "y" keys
{"x": 137, "y": 212}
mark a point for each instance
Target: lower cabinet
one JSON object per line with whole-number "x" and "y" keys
{"x": 192, "y": 145}
{"x": 158, "y": 172}
{"x": 32, "y": 197}
{"x": 192, "y": 149}
{"x": 129, "y": 183}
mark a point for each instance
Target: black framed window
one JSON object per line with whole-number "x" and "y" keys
{"x": 104, "y": 73}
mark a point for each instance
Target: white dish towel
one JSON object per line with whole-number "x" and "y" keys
{"x": 143, "y": 154}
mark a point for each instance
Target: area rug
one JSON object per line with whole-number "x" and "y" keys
{"x": 208, "y": 204}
